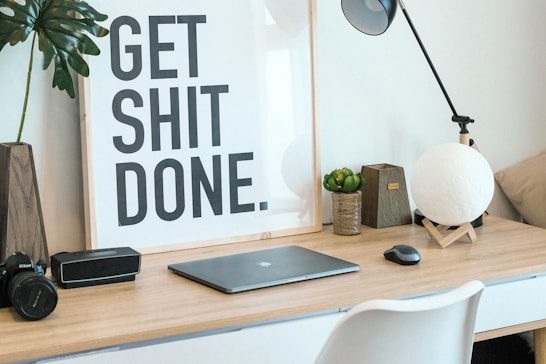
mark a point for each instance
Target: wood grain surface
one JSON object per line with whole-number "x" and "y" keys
{"x": 160, "y": 304}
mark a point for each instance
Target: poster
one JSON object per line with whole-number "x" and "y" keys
{"x": 198, "y": 124}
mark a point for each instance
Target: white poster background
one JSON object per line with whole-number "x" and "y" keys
{"x": 258, "y": 54}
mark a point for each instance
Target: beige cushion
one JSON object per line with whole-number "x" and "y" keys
{"x": 525, "y": 186}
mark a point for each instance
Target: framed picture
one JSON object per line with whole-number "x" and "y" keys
{"x": 199, "y": 124}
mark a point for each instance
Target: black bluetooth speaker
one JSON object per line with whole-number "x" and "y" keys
{"x": 94, "y": 267}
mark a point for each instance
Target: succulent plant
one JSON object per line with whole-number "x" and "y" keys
{"x": 343, "y": 180}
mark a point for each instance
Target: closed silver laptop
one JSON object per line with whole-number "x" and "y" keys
{"x": 262, "y": 268}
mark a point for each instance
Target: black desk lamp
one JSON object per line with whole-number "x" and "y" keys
{"x": 373, "y": 17}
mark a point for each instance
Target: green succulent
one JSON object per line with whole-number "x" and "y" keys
{"x": 343, "y": 180}
{"x": 61, "y": 27}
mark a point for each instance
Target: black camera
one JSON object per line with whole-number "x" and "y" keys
{"x": 24, "y": 286}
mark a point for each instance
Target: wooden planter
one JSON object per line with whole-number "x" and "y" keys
{"x": 21, "y": 220}
{"x": 346, "y": 211}
{"x": 385, "y": 200}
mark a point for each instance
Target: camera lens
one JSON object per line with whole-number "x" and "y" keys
{"x": 33, "y": 296}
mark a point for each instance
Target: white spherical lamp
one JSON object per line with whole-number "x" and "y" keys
{"x": 452, "y": 184}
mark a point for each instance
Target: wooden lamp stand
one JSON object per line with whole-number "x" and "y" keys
{"x": 435, "y": 233}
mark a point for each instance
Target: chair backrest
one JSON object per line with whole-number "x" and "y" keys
{"x": 435, "y": 329}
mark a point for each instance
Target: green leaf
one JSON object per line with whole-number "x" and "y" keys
{"x": 62, "y": 27}
{"x": 349, "y": 184}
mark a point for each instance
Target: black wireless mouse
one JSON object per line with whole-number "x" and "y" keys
{"x": 403, "y": 254}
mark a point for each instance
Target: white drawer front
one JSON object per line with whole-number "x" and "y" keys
{"x": 511, "y": 303}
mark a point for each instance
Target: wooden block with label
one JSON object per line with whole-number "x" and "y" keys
{"x": 384, "y": 197}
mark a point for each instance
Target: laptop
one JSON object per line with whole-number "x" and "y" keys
{"x": 263, "y": 268}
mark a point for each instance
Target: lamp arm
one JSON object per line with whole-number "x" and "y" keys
{"x": 403, "y": 7}
{"x": 463, "y": 121}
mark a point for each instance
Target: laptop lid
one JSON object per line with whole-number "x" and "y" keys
{"x": 263, "y": 268}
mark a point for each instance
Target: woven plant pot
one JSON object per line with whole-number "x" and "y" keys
{"x": 346, "y": 210}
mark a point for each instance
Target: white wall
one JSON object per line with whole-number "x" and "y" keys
{"x": 378, "y": 100}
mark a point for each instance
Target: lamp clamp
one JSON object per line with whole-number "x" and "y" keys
{"x": 463, "y": 121}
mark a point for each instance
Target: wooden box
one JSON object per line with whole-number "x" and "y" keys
{"x": 385, "y": 197}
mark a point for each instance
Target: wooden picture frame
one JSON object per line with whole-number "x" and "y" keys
{"x": 198, "y": 124}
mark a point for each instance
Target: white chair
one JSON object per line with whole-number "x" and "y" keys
{"x": 436, "y": 329}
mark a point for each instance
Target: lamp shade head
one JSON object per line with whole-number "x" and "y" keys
{"x": 372, "y": 17}
{"x": 452, "y": 184}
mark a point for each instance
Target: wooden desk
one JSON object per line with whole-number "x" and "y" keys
{"x": 160, "y": 304}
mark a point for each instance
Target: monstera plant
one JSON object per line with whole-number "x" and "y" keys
{"x": 61, "y": 28}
